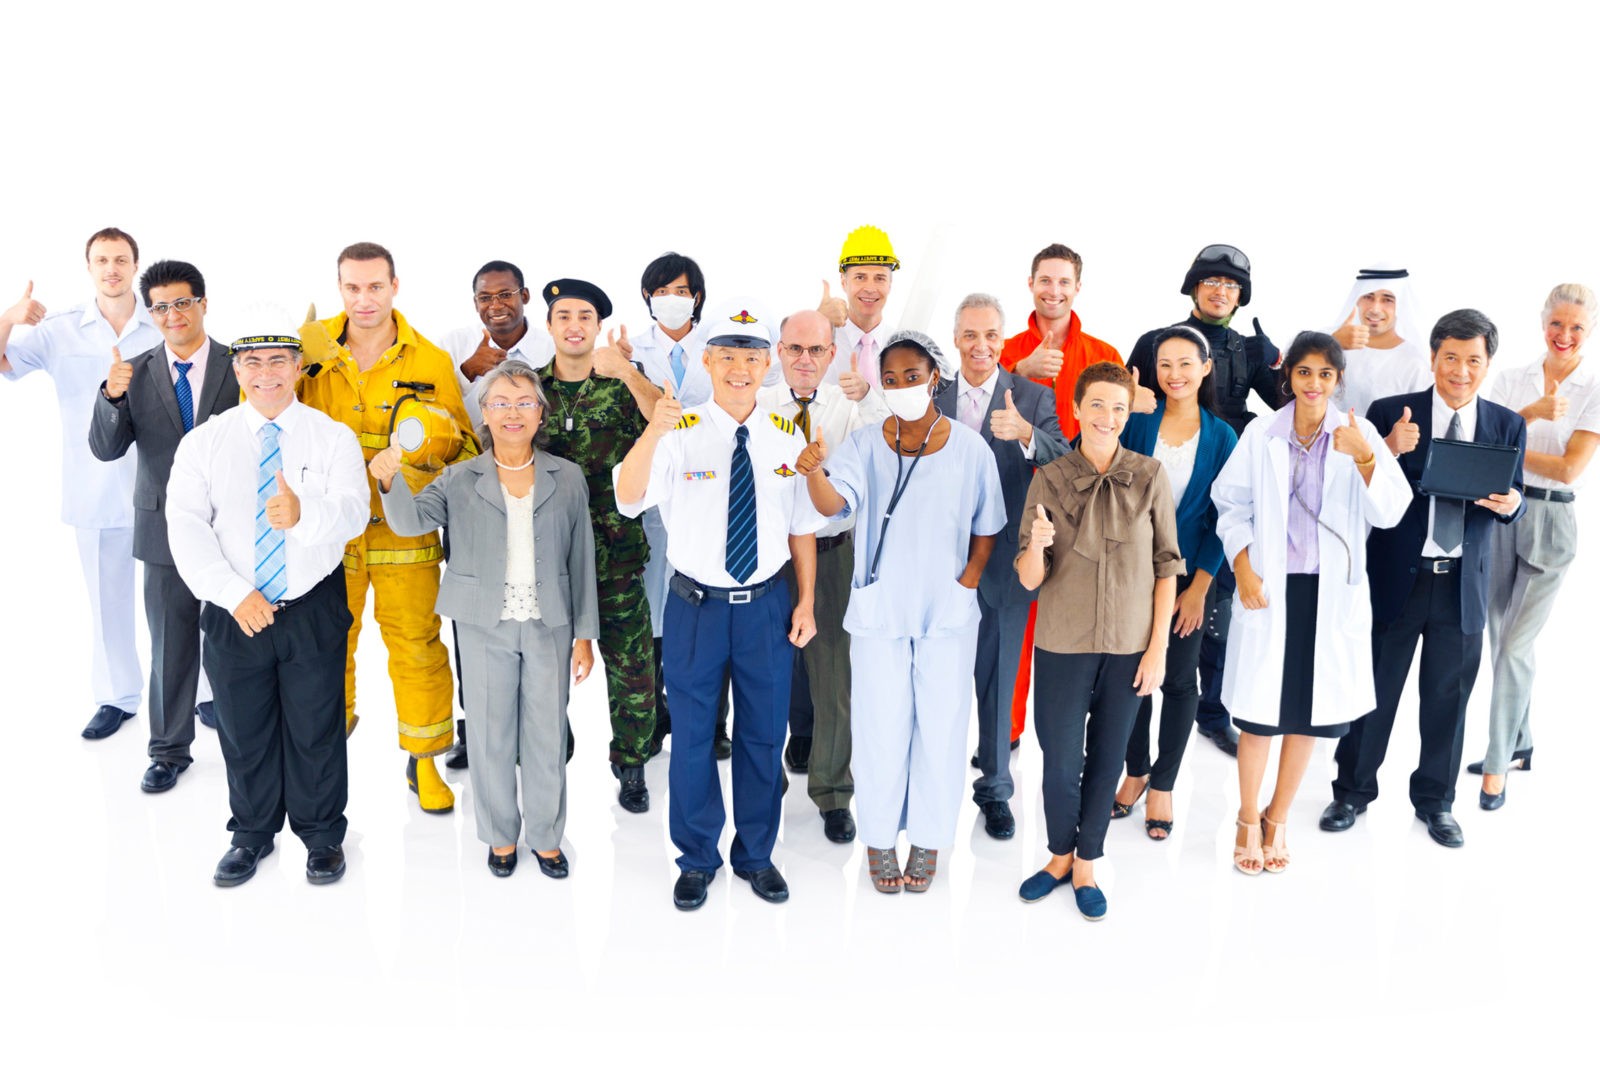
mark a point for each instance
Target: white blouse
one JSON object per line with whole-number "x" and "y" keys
{"x": 520, "y": 602}
{"x": 1179, "y": 463}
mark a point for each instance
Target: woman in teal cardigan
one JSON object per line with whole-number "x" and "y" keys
{"x": 1192, "y": 444}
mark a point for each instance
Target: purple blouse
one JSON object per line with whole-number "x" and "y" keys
{"x": 1306, "y": 466}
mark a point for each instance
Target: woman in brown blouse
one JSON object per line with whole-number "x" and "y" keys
{"x": 1106, "y": 595}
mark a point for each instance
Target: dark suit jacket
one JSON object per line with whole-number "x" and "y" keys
{"x": 1037, "y": 405}
{"x": 147, "y": 415}
{"x": 1394, "y": 555}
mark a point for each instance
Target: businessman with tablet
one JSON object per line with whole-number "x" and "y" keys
{"x": 1429, "y": 574}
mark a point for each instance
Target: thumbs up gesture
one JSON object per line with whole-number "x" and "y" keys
{"x": 118, "y": 377}
{"x": 1354, "y": 333}
{"x": 1046, "y": 360}
{"x": 1042, "y": 534}
{"x": 484, "y": 359}
{"x": 851, "y": 382}
{"x": 1007, "y": 423}
{"x": 610, "y": 361}
{"x": 283, "y": 510}
{"x": 1550, "y": 406}
{"x": 25, "y": 312}
{"x": 812, "y": 456}
{"x": 1349, "y": 439}
{"x": 1404, "y": 436}
{"x": 833, "y": 308}
{"x": 385, "y": 465}
{"x": 1144, "y": 398}
{"x": 667, "y": 413}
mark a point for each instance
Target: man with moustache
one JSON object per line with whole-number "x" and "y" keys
{"x": 1380, "y": 332}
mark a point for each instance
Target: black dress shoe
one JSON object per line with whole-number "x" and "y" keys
{"x": 503, "y": 866}
{"x": 553, "y": 866}
{"x": 1521, "y": 760}
{"x": 457, "y": 760}
{"x": 161, "y": 776}
{"x": 1339, "y": 815}
{"x": 572, "y": 745}
{"x": 1226, "y": 739}
{"x": 767, "y": 883}
{"x": 634, "y": 795}
{"x": 797, "y": 754}
{"x": 325, "y": 864}
{"x": 206, "y": 712}
{"x": 1443, "y": 828}
{"x": 238, "y": 864}
{"x": 690, "y": 890}
{"x": 838, "y": 826}
{"x": 721, "y": 745}
{"x": 106, "y": 722}
{"x": 998, "y": 822}
{"x": 1492, "y": 801}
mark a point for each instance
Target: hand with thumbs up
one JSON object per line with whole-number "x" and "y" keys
{"x": 1404, "y": 436}
{"x": 1354, "y": 333}
{"x": 1045, "y": 361}
{"x": 1349, "y": 439}
{"x": 1007, "y": 424}
{"x": 1550, "y": 406}
{"x": 25, "y": 312}
{"x": 666, "y": 415}
{"x": 118, "y": 377}
{"x": 851, "y": 382}
{"x": 385, "y": 465}
{"x": 283, "y": 510}
{"x": 1144, "y": 398}
{"x": 485, "y": 358}
{"x": 1042, "y": 533}
{"x": 833, "y": 308}
{"x": 812, "y": 456}
{"x": 609, "y": 361}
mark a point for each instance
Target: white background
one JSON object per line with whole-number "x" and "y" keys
{"x": 257, "y": 141}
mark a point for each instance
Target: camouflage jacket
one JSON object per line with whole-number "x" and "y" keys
{"x": 604, "y": 423}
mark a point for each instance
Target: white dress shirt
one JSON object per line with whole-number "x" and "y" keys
{"x": 1442, "y": 413}
{"x": 652, "y": 350}
{"x": 845, "y": 339}
{"x": 74, "y": 348}
{"x": 197, "y": 360}
{"x": 1373, "y": 373}
{"x": 211, "y": 501}
{"x": 689, "y": 483}
{"x": 535, "y": 349}
{"x": 985, "y": 391}
{"x": 832, "y": 413}
{"x": 1521, "y": 386}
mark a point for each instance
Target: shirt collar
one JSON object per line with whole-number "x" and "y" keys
{"x": 985, "y": 387}
{"x": 1443, "y": 411}
{"x": 725, "y": 423}
{"x": 1283, "y": 422}
{"x": 91, "y": 315}
{"x": 198, "y": 357}
{"x": 288, "y": 419}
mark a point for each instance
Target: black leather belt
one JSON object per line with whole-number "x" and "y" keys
{"x": 1554, "y": 496}
{"x": 285, "y": 605}
{"x": 828, "y": 544}
{"x": 694, "y": 592}
{"x": 1441, "y": 565}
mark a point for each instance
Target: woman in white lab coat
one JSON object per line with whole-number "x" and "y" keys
{"x": 1294, "y": 504}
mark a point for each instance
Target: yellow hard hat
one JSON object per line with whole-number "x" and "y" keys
{"x": 867, "y": 244}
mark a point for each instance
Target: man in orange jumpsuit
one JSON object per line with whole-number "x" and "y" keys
{"x": 359, "y": 364}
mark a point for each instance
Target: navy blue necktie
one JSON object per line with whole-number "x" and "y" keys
{"x": 741, "y": 551}
{"x": 185, "y": 394}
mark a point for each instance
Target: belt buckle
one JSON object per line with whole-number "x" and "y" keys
{"x": 1443, "y": 566}
{"x": 738, "y": 596}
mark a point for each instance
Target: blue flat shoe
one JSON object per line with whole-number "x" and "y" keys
{"x": 1091, "y": 902}
{"x": 1040, "y": 885}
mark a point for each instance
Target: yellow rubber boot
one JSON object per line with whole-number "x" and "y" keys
{"x": 432, "y": 793}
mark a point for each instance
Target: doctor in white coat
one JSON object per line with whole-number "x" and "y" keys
{"x": 1294, "y": 504}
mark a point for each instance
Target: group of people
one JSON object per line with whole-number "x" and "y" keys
{"x": 859, "y": 540}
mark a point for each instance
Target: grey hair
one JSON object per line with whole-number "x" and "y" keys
{"x": 979, "y": 300}
{"x": 516, "y": 370}
{"x": 1570, "y": 293}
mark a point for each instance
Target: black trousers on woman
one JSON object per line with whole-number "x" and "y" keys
{"x": 1180, "y": 699}
{"x": 1083, "y": 710}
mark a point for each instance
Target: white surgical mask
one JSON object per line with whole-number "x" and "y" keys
{"x": 672, "y": 311}
{"x": 908, "y": 403}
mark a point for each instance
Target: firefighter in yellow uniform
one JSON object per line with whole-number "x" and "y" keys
{"x": 359, "y": 365}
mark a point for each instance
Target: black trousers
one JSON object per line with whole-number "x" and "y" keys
{"x": 1449, "y": 668}
{"x": 173, "y": 615}
{"x": 1214, "y": 649}
{"x": 1083, "y": 709}
{"x": 279, "y": 700}
{"x": 1180, "y": 697}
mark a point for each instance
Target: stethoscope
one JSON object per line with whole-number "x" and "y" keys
{"x": 1302, "y": 457}
{"x": 902, "y": 479}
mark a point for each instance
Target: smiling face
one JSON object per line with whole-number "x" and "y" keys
{"x": 183, "y": 330}
{"x": 1054, "y": 287}
{"x": 1102, "y": 413}
{"x": 1377, "y": 311}
{"x": 1313, "y": 381}
{"x": 1217, "y": 296}
{"x": 574, "y": 324}
{"x": 736, "y": 373}
{"x": 368, "y": 290}
{"x": 1180, "y": 368}
{"x": 1565, "y": 329}
{"x": 112, "y": 267}
{"x": 1459, "y": 368}
{"x": 267, "y": 377}
{"x": 500, "y": 301}
{"x": 512, "y": 428}
{"x": 866, "y": 289}
{"x": 979, "y": 340}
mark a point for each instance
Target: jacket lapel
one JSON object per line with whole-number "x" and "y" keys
{"x": 219, "y": 369}
{"x": 488, "y": 481}
{"x": 161, "y": 382}
{"x": 544, "y": 486}
{"x": 997, "y": 401}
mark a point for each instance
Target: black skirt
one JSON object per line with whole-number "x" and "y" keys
{"x": 1299, "y": 666}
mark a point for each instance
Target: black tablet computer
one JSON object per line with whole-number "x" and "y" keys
{"x": 1466, "y": 470}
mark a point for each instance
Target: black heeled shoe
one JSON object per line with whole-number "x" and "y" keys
{"x": 1521, "y": 760}
{"x": 502, "y": 866}
{"x": 553, "y": 866}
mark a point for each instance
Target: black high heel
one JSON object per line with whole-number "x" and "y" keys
{"x": 1521, "y": 760}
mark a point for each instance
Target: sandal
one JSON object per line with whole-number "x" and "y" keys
{"x": 1275, "y": 857}
{"x": 1250, "y": 850}
{"x": 884, "y": 868}
{"x": 921, "y": 863}
{"x": 1122, "y": 811}
{"x": 1152, "y": 825}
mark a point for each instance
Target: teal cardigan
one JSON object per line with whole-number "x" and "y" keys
{"x": 1197, "y": 515}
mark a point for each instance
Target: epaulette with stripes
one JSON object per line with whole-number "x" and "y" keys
{"x": 782, "y": 423}
{"x": 689, "y": 419}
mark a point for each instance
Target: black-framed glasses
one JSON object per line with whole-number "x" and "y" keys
{"x": 181, "y": 304}
{"x": 504, "y": 296}
{"x": 796, "y": 351}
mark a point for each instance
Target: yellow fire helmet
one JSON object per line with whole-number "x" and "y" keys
{"x": 425, "y": 432}
{"x": 867, "y": 244}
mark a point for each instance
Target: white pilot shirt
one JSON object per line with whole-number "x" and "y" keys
{"x": 1441, "y": 426}
{"x": 74, "y": 348}
{"x": 689, "y": 483}
{"x": 535, "y": 349}
{"x": 835, "y": 415}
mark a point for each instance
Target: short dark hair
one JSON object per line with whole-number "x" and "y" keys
{"x": 1464, "y": 325}
{"x": 495, "y": 266}
{"x": 362, "y": 251}
{"x": 111, "y": 233}
{"x": 1310, "y": 343}
{"x": 664, "y": 268}
{"x": 1058, "y": 251}
{"x": 171, "y": 272}
{"x": 1111, "y": 373}
{"x": 1207, "y": 393}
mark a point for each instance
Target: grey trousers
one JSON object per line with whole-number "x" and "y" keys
{"x": 1529, "y": 559}
{"x": 827, "y": 660}
{"x": 173, "y": 615}
{"x": 516, "y": 676}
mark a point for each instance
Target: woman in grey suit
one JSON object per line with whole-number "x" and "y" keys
{"x": 520, "y": 585}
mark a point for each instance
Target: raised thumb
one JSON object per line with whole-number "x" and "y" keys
{"x": 116, "y": 354}
{"x": 1042, "y": 515}
{"x": 1010, "y": 404}
{"x": 1405, "y": 415}
{"x": 283, "y": 486}
{"x": 27, "y": 294}
{"x": 1352, "y": 418}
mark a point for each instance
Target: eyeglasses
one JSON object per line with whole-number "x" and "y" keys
{"x": 256, "y": 363}
{"x": 796, "y": 351}
{"x": 500, "y": 407}
{"x": 1227, "y": 285}
{"x": 182, "y": 304}
{"x": 504, "y": 296}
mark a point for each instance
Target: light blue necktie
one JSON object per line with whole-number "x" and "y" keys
{"x": 185, "y": 394}
{"x": 676, "y": 362}
{"x": 740, "y": 555}
{"x": 272, "y": 566}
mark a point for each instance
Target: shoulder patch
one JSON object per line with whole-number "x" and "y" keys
{"x": 688, "y": 420}
{"x": 782, "y": 423}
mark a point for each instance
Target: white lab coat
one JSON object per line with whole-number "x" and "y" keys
{"x": 1252, "y": 498}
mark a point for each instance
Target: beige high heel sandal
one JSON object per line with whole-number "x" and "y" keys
{"x": 1250, "y": 850}
{"x": 1275, "y": 856}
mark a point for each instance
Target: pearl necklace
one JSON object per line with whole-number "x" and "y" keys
{"x": 508, "y": 467}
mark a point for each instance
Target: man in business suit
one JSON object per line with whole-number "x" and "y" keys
{"x": 1018, "y": 419}
{"x": 152, "y": 400}
{"x": 1430, "y": 581}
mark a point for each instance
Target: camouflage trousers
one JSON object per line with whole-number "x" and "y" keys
{"x": 628, "y": 651}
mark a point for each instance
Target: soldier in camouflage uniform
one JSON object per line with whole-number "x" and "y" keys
{"x": 599, "y": 404}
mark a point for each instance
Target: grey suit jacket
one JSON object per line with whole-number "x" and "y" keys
{"x": 147, "y": 415}
{"x": 1037, "y": 405}
{"x": 467, "y": 498}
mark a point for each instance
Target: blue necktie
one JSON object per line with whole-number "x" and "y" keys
{"x": 676, "y": 360}
{"x": 272, "y": 578}
{"x": 741, "y": 551}
{"x": 185, "y": 394}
